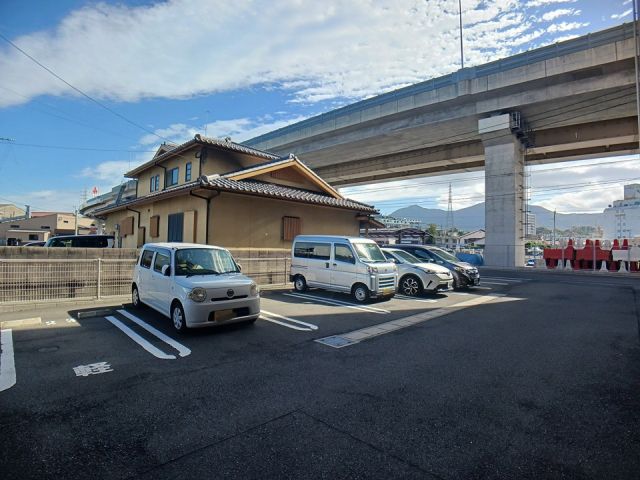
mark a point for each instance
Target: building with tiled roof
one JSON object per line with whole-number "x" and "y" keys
{"x": 224, "y": 193}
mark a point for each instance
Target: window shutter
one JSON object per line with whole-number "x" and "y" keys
{"x": 126, "y": 227}
{"x": 141, "y": 239}
{"x": 154, "y": 227}
{"x": 291, "y": 226}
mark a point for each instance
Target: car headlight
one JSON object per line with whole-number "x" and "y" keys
{"x": 426, "y": 270}
{"x": 253, "y": 290}
{"x": 372, "y": 269}
{"x": 459, "y": 269}
{"x": 198, "y": 294}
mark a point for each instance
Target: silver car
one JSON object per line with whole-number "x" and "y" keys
{"x": 416, "y": 276}
{"x": 194, "y": 285}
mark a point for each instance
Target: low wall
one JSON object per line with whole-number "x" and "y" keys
{"x": 36, "y": 274}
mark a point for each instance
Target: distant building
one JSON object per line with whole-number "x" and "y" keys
{"x": 393, "y": 236}
{"x": 622, "y": 218}
{"x": 41, "y": 226}
{"x": 398, "y": 223}
{"x": 8, "y": 211}
{"x": 475, "y": 238}
{"x": 124, "y": 192}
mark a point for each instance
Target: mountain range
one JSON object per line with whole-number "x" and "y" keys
{"x": 472, "y": 218}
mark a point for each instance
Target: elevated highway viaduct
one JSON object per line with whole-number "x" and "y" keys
{"x": 569, "y": 101}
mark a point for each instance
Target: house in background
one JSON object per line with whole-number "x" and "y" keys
{"x": 8, "y": 211}
{"x": 475, "y": 238}
{"x": 41, "y": 226}
{"x": 219, "y": 192}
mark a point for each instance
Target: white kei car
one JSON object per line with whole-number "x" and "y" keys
{"x": 194, "y": 285}
{"x": 416, "y": 276}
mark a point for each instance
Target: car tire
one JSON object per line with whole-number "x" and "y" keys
{"x": 410, "y": 285}
{"x": 360, "y": 293}
{"x": 178, "y": 319}
{"x": 300, "y": 284}
{"x": 135, "y": 297}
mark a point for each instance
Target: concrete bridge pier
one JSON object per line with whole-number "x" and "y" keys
{"x": 504, "y": 190}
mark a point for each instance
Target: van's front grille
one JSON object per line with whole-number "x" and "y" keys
{"x": 387, "y": 281}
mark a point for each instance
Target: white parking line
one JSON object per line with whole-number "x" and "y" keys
{"x": 494, "y": 283}
{"x": 424, "y": 300}
{"x": 338, "y": 303}
{"x": 356, "y": 336}
{"x": 7, "y": 362}
{"x": 153, "y": 350}
{"x": 182, "y": 350}
{"x": 307, "y": 327}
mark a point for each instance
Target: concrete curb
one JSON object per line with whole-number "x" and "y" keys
{"x": 21, "y": 323}
{"x": 100, "y": 312}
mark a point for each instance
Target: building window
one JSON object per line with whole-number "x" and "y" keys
{"x": 155, "y": 183}
{"x": 187, "y": 173}
{"x": 172, "y": 177}
{"x": 33, "y": 236}
{"x": 291, "y": 227}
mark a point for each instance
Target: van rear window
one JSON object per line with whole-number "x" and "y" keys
{"x": 319, "y": 251}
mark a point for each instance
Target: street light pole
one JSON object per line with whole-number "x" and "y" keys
{"x": 554, "y": 228}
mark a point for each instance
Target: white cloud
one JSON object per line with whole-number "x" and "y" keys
{"x": 238, "y": 129}
{"x": 584, "y": 186}
{"x": 315, "y": 50}
{"x": 110, "y": 172}
{"x": 616, "y": 16}
{"x": 561, "y": 12}
{"x": 544, "y": 3}
{"x": 566, "y": 26}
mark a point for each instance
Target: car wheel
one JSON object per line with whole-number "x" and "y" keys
{"x": 410, "y": 286}
{"x": 360, "y": 293}
{"x": 135, "y": 297}
{"x": 300, "y": 284}
{"x": 177, "y": 317}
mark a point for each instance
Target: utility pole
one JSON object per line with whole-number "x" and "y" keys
{"x": 635, "y": 58}
{"x": 554, "y": 228}
{"x": 76, "y": 220}
{"x": 461, "y": 47}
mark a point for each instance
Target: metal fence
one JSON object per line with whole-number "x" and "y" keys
{"x": 41, "y": 280}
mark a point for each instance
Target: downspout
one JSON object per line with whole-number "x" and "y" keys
{"x": 208, "y": 199}
{"x": 164, "y": 179}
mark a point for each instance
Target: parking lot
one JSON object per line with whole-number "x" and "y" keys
{"x": 526, "y": 376}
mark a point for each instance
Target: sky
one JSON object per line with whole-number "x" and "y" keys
{"x": 88, "y": 90}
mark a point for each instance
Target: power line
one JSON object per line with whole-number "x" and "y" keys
{"x": 87, "y": 96}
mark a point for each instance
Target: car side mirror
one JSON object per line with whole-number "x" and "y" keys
{"x": 239, "y": 267}
{"x": 166, "y": 270}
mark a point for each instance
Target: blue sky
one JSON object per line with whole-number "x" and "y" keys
{"x": 242, "y": 68}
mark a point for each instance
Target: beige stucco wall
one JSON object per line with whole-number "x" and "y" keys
{"x": 194, "y": 220}
{"x": 8, "y": 211}
{"x": 243, "y": 221}
{"x": 236, "y": 221}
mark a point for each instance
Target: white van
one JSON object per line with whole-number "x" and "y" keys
{"x": 344, "y": 264}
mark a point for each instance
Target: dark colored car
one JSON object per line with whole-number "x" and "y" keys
{"x": 34, "y": 244}
{"x": 82, "y": 241}
{"x": 464, "y": 274}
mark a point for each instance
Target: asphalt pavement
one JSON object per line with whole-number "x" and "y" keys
{"x": 534, "y": 375}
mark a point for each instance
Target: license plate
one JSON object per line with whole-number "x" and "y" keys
{"x": 388, "y": 290}
{"x": 222, "y": 315}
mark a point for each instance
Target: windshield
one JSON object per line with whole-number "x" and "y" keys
{"x": 406, "y": 257}
{"x": 204, "y": 261}
{"x": 369, "y": 252}
{"x": 444, "y": 255}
